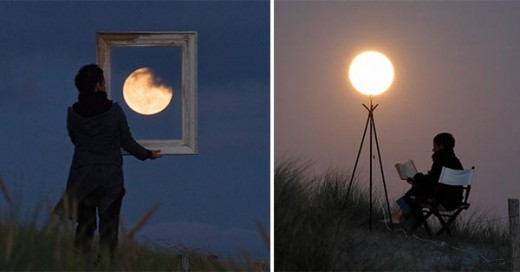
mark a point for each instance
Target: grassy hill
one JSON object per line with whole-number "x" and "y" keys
{"x": 318, "y": 228}
{"x": 26, "y": 245}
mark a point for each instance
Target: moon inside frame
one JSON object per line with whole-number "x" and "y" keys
{"x": 144, "y": 94}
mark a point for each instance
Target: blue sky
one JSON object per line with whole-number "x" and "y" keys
{"x": 210, "y": 200}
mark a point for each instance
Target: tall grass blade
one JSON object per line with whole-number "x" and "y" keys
{"x": 5, "y": 192}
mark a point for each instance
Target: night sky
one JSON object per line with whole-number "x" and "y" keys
{"x": 208, "y": 201}
{"x": 456, "y": 70}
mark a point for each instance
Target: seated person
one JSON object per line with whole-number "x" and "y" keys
{"x": 425, "y": 186}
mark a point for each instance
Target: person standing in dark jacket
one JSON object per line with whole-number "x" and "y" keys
{"x": 98, "y": 129}
{"x": 426, "y": 186}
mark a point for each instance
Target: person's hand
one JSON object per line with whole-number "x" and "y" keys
{"x": 155, "y": 154}
{"x": 409, "y": 180}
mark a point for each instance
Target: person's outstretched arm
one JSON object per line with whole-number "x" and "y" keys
{"x": 130, "y": 145}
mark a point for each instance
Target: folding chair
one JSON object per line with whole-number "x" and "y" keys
{"x": 447, "y": 217}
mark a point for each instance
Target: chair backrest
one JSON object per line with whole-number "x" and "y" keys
{"x": 456, "y": 177}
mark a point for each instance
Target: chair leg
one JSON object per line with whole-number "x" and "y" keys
{"x": 424, "y": 222}
{"x": 446, "y": 225}
{"x": 427, "y": 228}
{"x": 442, "y": 230}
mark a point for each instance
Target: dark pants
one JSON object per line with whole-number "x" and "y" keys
{"x": 108, "y": 223}
{"x": 409, "y": 205}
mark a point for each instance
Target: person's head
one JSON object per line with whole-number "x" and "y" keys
{"x": 90, "y": 79}
{"x": 443, "y": 141}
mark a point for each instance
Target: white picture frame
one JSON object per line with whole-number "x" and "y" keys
{"x": 187, "y": 42}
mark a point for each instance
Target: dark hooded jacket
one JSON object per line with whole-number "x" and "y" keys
{"x": 98, "y": 139}
{"x": 427, "y": 185}
{"x": 99, "y": 130}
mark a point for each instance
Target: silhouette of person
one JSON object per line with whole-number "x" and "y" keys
{"x": 98, "y": 129}
{"x": 426, "y": 186}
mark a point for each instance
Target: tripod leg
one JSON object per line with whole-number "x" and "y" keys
{"x": 357, "y": 158}
{"x": 371, "y": 117}
{"x": 381, "y": 166}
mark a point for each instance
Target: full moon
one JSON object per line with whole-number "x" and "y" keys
{"x": 371, "y": 73}
{"x": 144, "y": 94}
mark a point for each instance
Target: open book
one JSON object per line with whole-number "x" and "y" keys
{"x": 406, "y": 170}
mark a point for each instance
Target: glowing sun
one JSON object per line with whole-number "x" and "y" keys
{"x": 144, "y": 94}
{"x": 371, "y": 73}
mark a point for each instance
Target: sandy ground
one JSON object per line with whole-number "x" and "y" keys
{"x": 382, "y": 249}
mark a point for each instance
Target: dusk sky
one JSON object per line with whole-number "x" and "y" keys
{"x": 209, "y": 201}
{"x": 456, "y": 70}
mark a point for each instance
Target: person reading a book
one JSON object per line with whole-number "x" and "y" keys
{"x": 426, "y": 186}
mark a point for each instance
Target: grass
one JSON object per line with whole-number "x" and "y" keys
{"x": 319, "y": 228}
{"x": 26, "y": 245}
